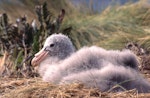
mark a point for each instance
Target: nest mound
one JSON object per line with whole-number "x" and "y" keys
{"x": 142, "y": 54}
{"x": 35, "y": 88}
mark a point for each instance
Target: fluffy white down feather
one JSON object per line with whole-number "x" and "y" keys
{"x": 93, "y": 66}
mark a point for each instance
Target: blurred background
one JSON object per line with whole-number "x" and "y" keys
{"x": 111, "y": 24}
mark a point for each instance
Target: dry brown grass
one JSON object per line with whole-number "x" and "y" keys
{"x": 35, "y": 88}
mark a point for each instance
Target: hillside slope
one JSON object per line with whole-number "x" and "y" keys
{"x": 114, "y": 27}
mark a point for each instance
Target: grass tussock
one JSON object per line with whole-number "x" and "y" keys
{"x": 113, "y": 28}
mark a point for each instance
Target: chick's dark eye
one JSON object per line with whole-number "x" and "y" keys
{"x": 51, "y": 45}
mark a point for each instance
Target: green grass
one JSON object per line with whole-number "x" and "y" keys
{"x": 112, "y": 29}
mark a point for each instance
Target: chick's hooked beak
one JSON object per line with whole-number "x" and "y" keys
{"x": 40, "y": 56}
